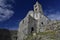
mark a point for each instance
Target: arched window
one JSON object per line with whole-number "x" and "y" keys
{"x": 32, "y": 29}
{"x": 42, "y": 23}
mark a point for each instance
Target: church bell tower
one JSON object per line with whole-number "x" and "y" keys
{"x": 37, "y": 8}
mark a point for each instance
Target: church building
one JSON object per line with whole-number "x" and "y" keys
{"x": 34, "y": 21}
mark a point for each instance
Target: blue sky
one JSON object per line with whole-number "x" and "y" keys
{"x": 17, "y": 10}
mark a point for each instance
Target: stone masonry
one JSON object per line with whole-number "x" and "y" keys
{"x": 35, "y": 21}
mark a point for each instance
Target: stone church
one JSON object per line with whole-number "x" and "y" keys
{"x": 34, "y": 21}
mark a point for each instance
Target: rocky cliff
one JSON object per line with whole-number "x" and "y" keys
{"x": 52, "y": 32}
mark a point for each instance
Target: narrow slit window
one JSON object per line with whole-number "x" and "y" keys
{"x": 23, "y": 21}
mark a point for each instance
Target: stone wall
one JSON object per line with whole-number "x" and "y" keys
{"x": 32, "y": 25}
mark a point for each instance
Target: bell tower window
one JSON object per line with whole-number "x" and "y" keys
{"x": 36, "y": 9}
{"x": 35, "y": 6}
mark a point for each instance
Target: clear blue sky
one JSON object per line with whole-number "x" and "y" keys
{"x": 51, "y": 9}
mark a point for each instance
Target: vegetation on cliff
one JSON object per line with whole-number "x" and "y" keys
{"x": 47, "y": 35}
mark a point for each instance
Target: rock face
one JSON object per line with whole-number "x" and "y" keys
{"x": 13, "y": 34}
{"x": 35, "y": 22}
{"x": 5, "y": 34}
{"x": 52, "y": 32}
{"x": 49, "y": 35}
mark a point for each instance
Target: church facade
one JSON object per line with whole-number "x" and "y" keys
{"x": 35, "y": 21}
